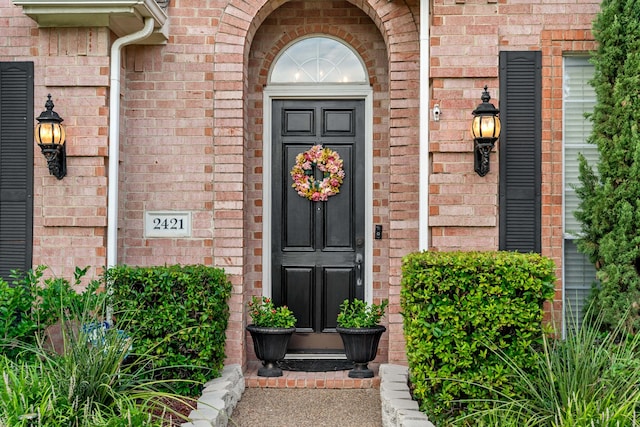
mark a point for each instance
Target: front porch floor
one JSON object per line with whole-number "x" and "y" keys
{"x": 311, "y": 380}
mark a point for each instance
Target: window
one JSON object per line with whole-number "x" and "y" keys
{"x": 578, "y": 98}
{"x": 318, "y": 60}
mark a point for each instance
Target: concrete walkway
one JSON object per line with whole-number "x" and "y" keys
{"x": 282, "y": 407}
{"x": 226, "y": 402}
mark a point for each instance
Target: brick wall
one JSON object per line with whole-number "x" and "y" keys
{"x": 190, "y": 138}
{"x": 72, "y": 65}
{"x": 466, "y": 38}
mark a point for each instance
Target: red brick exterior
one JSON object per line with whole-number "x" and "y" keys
{"x": 191, "y": 130}
{"x": 466, "y": 38}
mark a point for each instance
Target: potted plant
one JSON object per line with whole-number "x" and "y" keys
{"x": 359, "y": 328}
{"x": 271, "y": 330}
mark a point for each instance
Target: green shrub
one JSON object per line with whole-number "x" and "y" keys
{"x": 58, "y": 300}
{"x": 90, "y": 380}
{"x": 31, "y": 394}
{"x": 588, "y": 379}
{"x": 31, "y": 304}
{"x": 609, "y": 210}
{"x": 458, "y": 309}
{"x": 16, "y": 320}
{"x": 178, "y": 312}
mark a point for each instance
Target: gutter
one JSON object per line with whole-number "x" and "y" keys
{"x": 123, "y": 17}
{"x": 423, "y": 223}
{"x": 114, "y": 137}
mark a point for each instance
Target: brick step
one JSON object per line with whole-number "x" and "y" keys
{"x": 296, "y": 379}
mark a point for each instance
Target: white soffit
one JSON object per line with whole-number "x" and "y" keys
{"x": 121, "y": 16}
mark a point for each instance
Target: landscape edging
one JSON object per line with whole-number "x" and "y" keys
{"x": 398, "y": 407}
{"x": 219, "y": 398}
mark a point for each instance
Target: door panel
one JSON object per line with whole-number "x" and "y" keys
{"x": 298, "y": 293}
{"x": 339, "y": 216}
{"x": 317, "y": 247}
{"x": 338, "y": 282}
{"x": 299, "y": 220}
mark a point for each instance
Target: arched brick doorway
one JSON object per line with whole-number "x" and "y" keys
{"x": 364, "y": 38}
{"x": 386, "y": 37}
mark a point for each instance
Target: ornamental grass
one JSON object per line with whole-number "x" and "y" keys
{"x": 92, "y": 377}
{"x": 589, "y": 379}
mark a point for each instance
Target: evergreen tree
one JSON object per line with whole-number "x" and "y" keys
{"x": 609, "y": 207}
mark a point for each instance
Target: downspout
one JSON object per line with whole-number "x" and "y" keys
{"x": 114, "y": 137}
{"x": 425, "y": 97}
{"x": 114, "y": 146}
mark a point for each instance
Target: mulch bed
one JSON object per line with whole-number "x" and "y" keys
{"x": 182, "y": 408}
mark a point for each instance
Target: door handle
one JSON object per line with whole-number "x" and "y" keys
{"x": 358, "y": 269}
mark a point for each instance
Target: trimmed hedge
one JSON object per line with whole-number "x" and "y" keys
{"x": 462, "y": 311}
{"x": 178, "y": 313}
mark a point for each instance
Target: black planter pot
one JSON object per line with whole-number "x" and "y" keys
{"x": 361, "y": 346}
{"x": 270, "y": 345}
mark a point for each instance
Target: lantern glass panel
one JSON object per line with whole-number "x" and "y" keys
{"x": 485, "y": 126}
{"x": 50, "y": 133}
{"x": 59, "y": 134}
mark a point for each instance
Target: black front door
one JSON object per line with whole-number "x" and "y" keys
{"x": 317, "y": 246}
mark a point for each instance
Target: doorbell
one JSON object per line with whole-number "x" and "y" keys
{"x": 436, "y": 113}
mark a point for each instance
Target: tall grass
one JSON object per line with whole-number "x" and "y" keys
{"x": 590, "y": 379}
{"x": 91, "y": 379}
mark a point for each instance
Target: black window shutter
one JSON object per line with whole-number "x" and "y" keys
{"x": 520, "y": 150}
{"x": 16, "y": 166}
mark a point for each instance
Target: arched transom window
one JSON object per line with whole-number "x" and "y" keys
{"x": 318, "y": 60}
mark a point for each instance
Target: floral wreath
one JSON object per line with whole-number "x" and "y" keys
{"x": 325, "y": 160}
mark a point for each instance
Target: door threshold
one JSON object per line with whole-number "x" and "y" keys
{"x": 316, "y": 356}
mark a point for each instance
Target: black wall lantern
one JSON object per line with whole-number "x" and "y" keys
{"x": 50, "y": 136}
{"x": 485, "y": 129}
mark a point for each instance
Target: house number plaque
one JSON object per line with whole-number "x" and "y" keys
{"x": 167, "y": 224}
